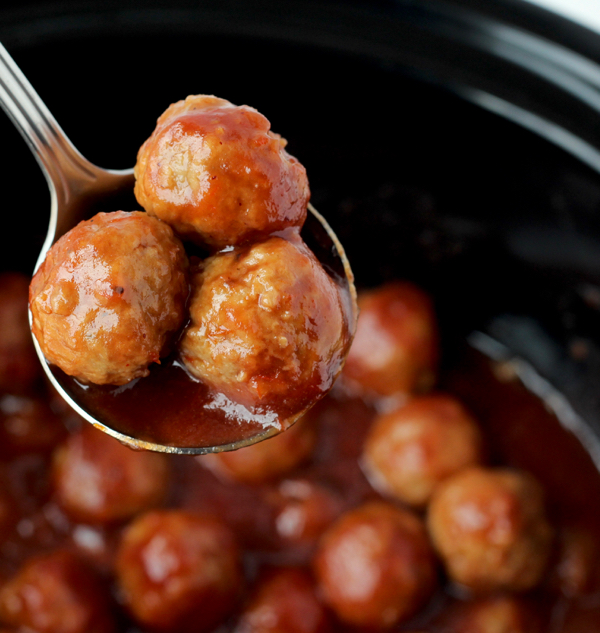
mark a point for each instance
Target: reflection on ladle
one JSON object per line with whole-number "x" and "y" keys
{"x": 144, "y": 413}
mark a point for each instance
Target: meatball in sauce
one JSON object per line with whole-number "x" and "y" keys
{"x": 269, "y": 328}
{"x": 491, "y": 530}
{"x": 375, "y": 566}
{"x": 109, "y": 297}
{"x": 218, "y": 175}
{"x": 56, "y": 593}
{"x": 413, "y": 448}
{"x": 395, "y": 349}
{"x": 99, "y": 480}
{"x": 179, "y": 571}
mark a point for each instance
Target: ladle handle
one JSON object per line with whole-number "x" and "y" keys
{"x": 59, "y": 159}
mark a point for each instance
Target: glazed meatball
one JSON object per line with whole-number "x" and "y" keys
{"x": 498, "y": 614}
{"x": 410, "y": 450}
{"x": 304, "y": 509}
{"x": 109, "y": 297}
{"x": 56, "y": 593}
{"x": 268, "y": 328}
{"x": 284, "y": 601}
{"x": 490, "y": 528}
{"x": 178, "y": 571}
{"x": 375, "y": 566}
{"x": 99, "y": 480}
{"x": 577, "y": 566}
{"x": 28, "y": 424}
{"x": 268, "y": 459}
{"x": 19, "y": 364}
{"x": 395, "y": 349}
{"x": 218, "y": 175}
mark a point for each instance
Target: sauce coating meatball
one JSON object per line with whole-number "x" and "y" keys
{"x": 28, "y": 424}
{"x": 375, "y": 566}
{"x": 268, "y": 327}
{"x": 19, "y": 364}
{"x": 178, "y": 571}
{"x": 268, "y": 459}
{"x": 56, "y": 593}
{"x": 99, "y": 480}
{"x": 304, "y": 509}
{"x": 490, "y": 528}
{"x": 218, "y": 175}
{"x": 395, "y": 349}
{"x": 109, "y": 297}
{"x": 410, "y": 450}
{"x": 284, "y": 601}
{"x": 577, "y": 566}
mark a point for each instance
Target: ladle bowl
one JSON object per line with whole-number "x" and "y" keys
{"x": 78, "y": 190}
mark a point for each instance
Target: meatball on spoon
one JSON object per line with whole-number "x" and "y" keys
{"x": 172, "y": 409}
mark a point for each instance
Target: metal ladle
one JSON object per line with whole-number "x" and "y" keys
{"x": 78, "y": 189}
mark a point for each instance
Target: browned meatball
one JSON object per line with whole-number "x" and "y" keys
{"x": 577, "y": 566}
{"x": 269, "y": 328}
{"x": 19, "y": 364}
{"x": 218, "y": 175}
{"x": 375, "y": 566}
{"x": 304, "y": 509}
{"x": 268, "y": 459}
{"x": 498, "y": 614}
{"x": 395, "y": 349}
{"x": 109, "y": 296}
{"x": 284, "y": 601}
{"x": 56, "y": 593}
{"x": 490, "y": 528}
{"x": 99, "y": 480}
{"x": 178, "y": 571}
{"x": 410, "y": 450}
{"x": 28, "y": 424}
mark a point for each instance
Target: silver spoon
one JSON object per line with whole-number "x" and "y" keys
{"x": 78, "y": 186}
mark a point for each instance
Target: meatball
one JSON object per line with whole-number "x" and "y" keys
{"x": 99, "y": 480}
{"x": 19, "y": 364}
{"x": 268, "y": 459}
{"x": 218, "y": 175}
{"x": 27, "y": 425}
{"x": 304, "y": 510}
{"x": 489, "y": 527}
{"x": 375, "y": 566}
{"x": 410, "y": 450}
{"x": 498, "y": 614}
{"x": 268, "y": 328}
{"x": 178, "y": 571}
{"x": 284, "y": 601}
{"x": 577, "y": 567}
{"x": 56, "y": 593}
{"x": 395, "y": 349}
{"x": 109, "y": 297}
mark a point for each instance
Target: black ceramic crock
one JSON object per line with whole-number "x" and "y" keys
{"x": 454, "y": 143}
